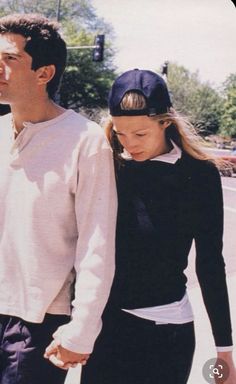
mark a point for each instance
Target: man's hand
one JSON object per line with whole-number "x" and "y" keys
{"x": 62, "y": 357}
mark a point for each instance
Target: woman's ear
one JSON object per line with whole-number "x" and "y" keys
{"x": 45, "y": 74}
{"x": 165, "y": 123}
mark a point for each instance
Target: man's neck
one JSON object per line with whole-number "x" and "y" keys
{"x": 34, "y": 113}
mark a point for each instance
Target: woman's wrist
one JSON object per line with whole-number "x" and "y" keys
{"x": 225, "y": 349}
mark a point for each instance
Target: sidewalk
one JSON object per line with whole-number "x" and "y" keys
{"x": 205, "y": 348}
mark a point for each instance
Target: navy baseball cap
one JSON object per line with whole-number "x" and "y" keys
{"x": 149, "y": 84}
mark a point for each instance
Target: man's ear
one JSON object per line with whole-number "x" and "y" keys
{"x": 45, "y": 74}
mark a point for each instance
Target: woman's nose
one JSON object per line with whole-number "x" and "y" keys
{"x": 131, "y": 144}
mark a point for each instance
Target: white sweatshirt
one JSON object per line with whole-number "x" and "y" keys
{"x": 57, "y": 220}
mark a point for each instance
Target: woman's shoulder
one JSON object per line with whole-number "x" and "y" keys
{"x": 200, "y": 173}
{"x": 199, "y": 165}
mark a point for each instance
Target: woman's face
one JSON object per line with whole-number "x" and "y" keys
{"x": 142, "y": 136}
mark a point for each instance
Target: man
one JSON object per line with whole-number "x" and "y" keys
{"x": 57, "y": 212}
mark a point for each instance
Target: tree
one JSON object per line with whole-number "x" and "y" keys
{"x": 182, "y": 85}
{"x": 207, "y": 109}
{"x": 228, "y": 119}
{"x": 85, "y": 80}
{"x": 85, "y": 84}
{"x": 194, "y": 99}
{"x": 80, "y": 11}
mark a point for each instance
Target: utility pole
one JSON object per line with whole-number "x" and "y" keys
{"x": 164, "y": 71}
{"x": 58, "y": 9}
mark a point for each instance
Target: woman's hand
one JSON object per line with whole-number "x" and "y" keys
{"x": 228, "y": 358}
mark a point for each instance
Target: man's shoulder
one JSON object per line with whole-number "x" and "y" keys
{"x": 82, "y": 124}
{"x": 87, "y": 134}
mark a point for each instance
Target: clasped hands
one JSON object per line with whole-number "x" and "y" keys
{"x": 62, "y": 357}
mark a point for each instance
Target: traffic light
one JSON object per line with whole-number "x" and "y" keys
{"x": 98, "y": 50}
{"x": 165, "y": 68}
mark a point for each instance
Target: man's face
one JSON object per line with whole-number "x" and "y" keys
{"x": 17, "y": 80}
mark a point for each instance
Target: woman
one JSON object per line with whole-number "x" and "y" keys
{"x": 169, "y": 194}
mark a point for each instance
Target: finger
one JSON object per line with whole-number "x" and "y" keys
{"x": 57, "y": 362}
{"x": 74, "y": 365}
{"x": 49, "y": 352}
{"x": 70, "y": 365}
{"x": 51, "y": 349}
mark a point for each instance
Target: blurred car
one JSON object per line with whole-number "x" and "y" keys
{"x": 230, "y": 167}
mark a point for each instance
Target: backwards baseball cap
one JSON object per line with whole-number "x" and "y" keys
{"x": 149, "y": 84}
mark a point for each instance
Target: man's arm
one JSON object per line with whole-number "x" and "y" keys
{"x": 95, "y": 209}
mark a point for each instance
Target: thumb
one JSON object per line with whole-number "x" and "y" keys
{"x": 52, "y": 348}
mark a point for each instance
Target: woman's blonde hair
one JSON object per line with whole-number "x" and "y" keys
{"x": 180, "y": 130}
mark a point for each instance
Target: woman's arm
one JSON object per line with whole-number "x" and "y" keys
{"x": 210, "y": 266}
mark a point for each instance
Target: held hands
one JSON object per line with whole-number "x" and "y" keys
{"x": 228, "y": 358}
{"x": 62, "y": 357}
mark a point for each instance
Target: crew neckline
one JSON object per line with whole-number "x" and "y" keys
{"x": 47, "y": 123}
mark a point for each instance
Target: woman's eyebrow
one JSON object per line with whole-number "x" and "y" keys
{"x": 135, "y": 131}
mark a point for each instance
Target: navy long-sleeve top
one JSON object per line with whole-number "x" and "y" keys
{"x": 162, "y": 208}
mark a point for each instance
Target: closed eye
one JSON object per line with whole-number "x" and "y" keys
{"x": 118, "y": 133}
{"x": 11, "y": 57}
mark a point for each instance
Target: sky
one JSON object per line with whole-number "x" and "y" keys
{"x": 198, "y": 34}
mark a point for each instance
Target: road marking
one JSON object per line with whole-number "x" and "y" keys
{"x": 229, "y": 188}
{"x": 229, "y": 209}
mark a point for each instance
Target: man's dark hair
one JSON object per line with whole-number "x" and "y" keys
{"x": 43, "y": 43}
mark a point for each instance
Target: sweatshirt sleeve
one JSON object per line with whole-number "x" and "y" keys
{"x": 95, "y": 209}
{"x": 210, "y": 266}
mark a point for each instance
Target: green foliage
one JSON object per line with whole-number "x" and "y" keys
{"x": 207, "y": 109}
{"x": 86, "y": 80}
{"x": 228, "y": 119}
{"x": 181, "y": 84}
{"x": 198, "y": 101}
{"x": 230, "y": 82}
{"x": 80, "y": 11}
{"x": 85, "y": 83}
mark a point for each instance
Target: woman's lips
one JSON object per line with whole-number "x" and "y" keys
{"x": 136, "y": 153}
